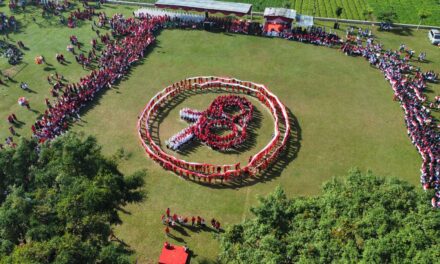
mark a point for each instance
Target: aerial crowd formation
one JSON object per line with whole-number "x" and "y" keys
{"x": 131, "y": 37}
{"x": 216, "y": 117}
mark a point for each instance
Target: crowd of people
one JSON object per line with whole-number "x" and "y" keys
{"x": 55, "y": 7}
{"x": 314, "y": 35}
{"x": 131, "y": 38}
{"x": 85, "y": 14}
{"x": 7, "y": 23}
{"x": 409, "y": 85}
{"x": 134, "y": 36}
{"x": 172, "y": 220}
{"x": 11, "y": 52}
{"x": 205, "y": 171}
{"x": 214, "y": 118}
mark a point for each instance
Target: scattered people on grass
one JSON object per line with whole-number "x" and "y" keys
{"x": 20, "y": 44}
{"x": 170, "y": 221}
{"x": 60, "y": 58}
{"x": 39, "y": 60}
{"x": 22, "y": 101}
{"x": 24, "y": 86}
{"x": 130, "y": 38}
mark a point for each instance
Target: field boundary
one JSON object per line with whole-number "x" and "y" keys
{"x": 325, "y": 19}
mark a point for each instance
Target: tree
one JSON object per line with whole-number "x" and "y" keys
{"x": 387, "y": 16}
{"x": 60, "y": 200}
{"x": 423, "y": 14}
{"x": 338, "y": 12}
{"x": 368, "y": 13}
{"x": 359, "y": 219}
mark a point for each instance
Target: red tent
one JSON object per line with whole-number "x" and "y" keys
{"x": 173, "y": 255}
{"x": 278, "y": 19}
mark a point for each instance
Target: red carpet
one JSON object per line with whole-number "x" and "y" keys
{"x": 173, "y": 255}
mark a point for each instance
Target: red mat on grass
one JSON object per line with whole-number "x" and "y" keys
{"x": 173, "y": 255}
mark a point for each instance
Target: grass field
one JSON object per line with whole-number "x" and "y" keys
{"x": 406, "y": 10}
{"x": 343, "y": 106}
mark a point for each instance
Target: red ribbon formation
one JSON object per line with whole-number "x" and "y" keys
{"x": 229, "y": 112}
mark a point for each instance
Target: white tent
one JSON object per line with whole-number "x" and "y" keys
{"x": 304, "y": 21}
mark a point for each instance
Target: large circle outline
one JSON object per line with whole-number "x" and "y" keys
{"x": 258, "y": 163}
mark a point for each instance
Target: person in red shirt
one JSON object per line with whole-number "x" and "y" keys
{"x": 168, "y": 212}
{"x": 193, "y": 219}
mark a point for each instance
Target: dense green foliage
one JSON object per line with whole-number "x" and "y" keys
{"x": 58, "y": 203}
{"x": 361, "y": 219}
{"x": 407, "y": 10}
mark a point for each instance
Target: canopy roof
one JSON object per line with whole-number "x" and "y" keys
{"x": 304, "y": 21}
{"x": 207, "y": 6}
{"x": 173, "y": 255}
{"x": 279, "y": 12}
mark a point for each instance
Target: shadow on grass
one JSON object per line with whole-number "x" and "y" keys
{"x": 206, "y": 261}
{"x": 275, "y": 169}
{"x": 402, "y": 31}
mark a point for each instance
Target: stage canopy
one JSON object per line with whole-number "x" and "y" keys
{"x": 211, "y": 6}
{"x": 272, "y": 12}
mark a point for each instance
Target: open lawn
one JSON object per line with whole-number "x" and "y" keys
{"x": 343, "y": 107}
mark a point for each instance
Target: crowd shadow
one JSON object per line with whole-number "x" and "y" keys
{"x": 19, "y": 124}
{"x": 402, "y": 31}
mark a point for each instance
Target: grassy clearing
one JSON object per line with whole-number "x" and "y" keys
{"x": 344, "y": 109}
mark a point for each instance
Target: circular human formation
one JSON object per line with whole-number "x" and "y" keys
{"x": 216, "y": 117}
{"x": 230, "y": 112}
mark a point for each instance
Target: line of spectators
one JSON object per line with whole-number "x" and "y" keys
{"x": 409, "y": 85}
{"x": 132, "y": 39}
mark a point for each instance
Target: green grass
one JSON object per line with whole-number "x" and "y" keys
{"x": 343, "y": 106}
{"x": 407, "y": 10}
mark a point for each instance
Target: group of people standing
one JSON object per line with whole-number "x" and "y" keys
{"x": 132, "y": 37}
{"x": 171, "y": 220}
{"x": 409, "y": 85}
{"x": 214, "y": 118}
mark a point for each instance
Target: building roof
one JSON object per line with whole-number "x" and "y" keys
{"x": 279, "y": 12}
{"x": 173, "y": 255}
{"x": 207, "y": 5}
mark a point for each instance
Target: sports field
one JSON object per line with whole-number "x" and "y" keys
{"x": 343, "y": 108}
